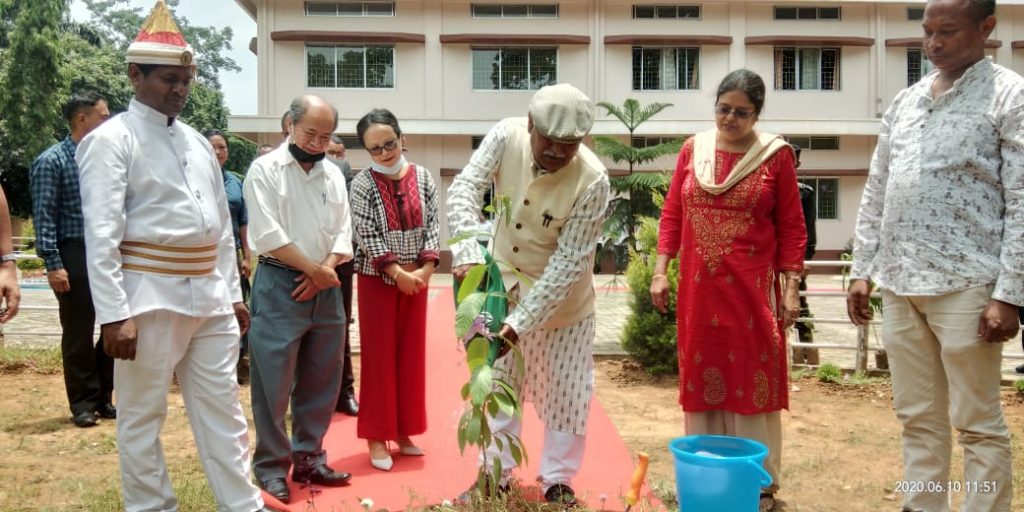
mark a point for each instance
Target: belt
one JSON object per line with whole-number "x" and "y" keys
{"x": 169, "y": 260}
{"x": 274, "y": 262}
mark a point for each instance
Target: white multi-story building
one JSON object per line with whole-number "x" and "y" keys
{"x": 449, "y": 69}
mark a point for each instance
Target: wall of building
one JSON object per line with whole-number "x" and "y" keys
{"x": 433, "y": 81}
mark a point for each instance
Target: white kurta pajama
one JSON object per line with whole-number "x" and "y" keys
{"x": 554, "y": 318}
{"x": 161, "y": 252}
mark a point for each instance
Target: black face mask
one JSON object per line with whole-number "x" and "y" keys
{"x": 304, "y": 157}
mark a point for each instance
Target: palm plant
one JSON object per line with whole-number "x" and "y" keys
{"x": 634, "y": 192}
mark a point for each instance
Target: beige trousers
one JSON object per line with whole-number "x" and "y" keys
{"x": 765, "y": 428}
{"x": 944, "y": 375}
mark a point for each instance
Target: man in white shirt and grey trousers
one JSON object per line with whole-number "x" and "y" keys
{"x": 300, "y": 226}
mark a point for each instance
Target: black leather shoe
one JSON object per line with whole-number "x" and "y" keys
{"x": 107, "y": 411}
{"x": 309, "y": 470}
{"x": 467, "y": 497}
{"x": 85, "y": 419}
{"x": 347, "y": 404}
{"x": 1019, "y": 369}
{"x": 560, "y": 493}
{"x": 278, "y": 488}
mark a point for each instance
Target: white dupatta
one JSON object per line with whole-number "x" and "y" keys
{"x": 704, "y": 147}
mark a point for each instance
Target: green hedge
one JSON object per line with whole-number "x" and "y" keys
{"x": 650, "y": 335}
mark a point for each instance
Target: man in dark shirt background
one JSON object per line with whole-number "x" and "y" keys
{"x": 346, "y": 273}
{"x": 809, "y": 202}
{"x": 60, "y": 242}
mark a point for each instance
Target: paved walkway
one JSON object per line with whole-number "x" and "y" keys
{"x": 612, "y": 312}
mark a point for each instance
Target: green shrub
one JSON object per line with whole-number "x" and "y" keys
{"x": 649, "y": 335}
{"x": 829, "y": 372}
{"x": 1019, "y": 386}
{"x": 31, "y": 264}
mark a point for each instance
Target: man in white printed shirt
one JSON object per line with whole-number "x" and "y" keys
{"x": 941, "y": 232}
{"x": 559, "y": 194}
{"x": 300, "y": 226}
{"x": 164, "y": 279}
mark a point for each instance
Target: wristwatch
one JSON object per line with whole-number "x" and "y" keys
{"x": 8, "y": 257}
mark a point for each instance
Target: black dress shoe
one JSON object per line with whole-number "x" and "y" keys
{"x": 347, "y": 404}
{"x": 1019, "y": 369}
{"x": 560, "y": 493}
{"x": 107, "y": 411}
{"x": 278, "y": 488}
{"x": 322, "y": 474}
{"x": 85, "y": 419}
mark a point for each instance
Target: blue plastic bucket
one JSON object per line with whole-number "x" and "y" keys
{"x": 719, "y": 473}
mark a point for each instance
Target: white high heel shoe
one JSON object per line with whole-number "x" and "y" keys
{"x": 411, "y": 451}
{"x": 383, "y": 464}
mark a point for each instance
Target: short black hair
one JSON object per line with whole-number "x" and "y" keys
{"x": 747, "y": 82}
{"x": 79, "y": 101}
{"x": 796, "y": 150}
{"x": 377, "y": 116}
{"x": 146, "y": 69}
{"x": 213, "y": 132}
{"x": 981, "y": 9}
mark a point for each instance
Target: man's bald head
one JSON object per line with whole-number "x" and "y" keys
{"x": 306, "y": 103}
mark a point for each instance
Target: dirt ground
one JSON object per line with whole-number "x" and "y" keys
{"x": 841, "y": 445}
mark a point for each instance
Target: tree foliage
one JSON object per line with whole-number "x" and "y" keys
{"x": 28, "y": 92}
{"x": 635, "y": 192}
{"x": 44, "y": 56}
{"x": 119, "y": 24}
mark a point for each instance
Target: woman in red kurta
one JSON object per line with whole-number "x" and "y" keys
{"x": 733, "y": 215}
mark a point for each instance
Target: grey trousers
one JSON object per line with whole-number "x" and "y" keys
{"x": 295, "y": 351}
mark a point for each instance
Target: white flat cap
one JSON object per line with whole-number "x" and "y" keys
{"x": 562, "y": 113}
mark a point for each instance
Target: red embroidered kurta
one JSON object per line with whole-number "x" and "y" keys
{"x": 732, "y": 351}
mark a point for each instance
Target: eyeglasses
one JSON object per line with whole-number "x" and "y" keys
{"x": 387, "y": 146}
{"x": 724, "y": 111}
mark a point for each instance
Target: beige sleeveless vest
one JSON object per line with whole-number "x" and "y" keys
{"x": 540, "y": 207}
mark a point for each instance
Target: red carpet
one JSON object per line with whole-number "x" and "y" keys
{"x": 443, "y": 474}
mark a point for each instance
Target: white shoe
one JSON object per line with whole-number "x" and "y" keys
{"x": 411, "y": 451}
{"x": 384, "y": 464}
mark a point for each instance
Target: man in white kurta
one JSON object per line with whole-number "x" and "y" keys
{"x": 164, "y": 281}
{"x": 559, "y": 195}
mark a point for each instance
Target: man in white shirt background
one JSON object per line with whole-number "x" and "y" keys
{"x": 299, "y": 225}
{"x": 164, "y": 277}
{"x": 941, "y": 233}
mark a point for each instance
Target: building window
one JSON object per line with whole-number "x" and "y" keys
{"x": 915, "y": 13}
{"x": 524, "y": 68}
{"x": 475, "y": 141}
{"x": 350, "y": 67}
{"x": 918, "y": 65}
{"x": 666, "y": 68}
{"x": 514, "y": 10}
{"x": 830, "y": 143}
{"x": 350, "y": 8}
{"x": 808, "y": 13}
{"x": 807, "y": 69}
{"x": 827, "y": 192}
{"x": 666, "y": 12}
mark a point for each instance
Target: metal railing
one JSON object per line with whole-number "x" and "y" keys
{"x": 861, "y": 345}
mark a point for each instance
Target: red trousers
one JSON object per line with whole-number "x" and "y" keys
{"x": 392, "y": 376}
